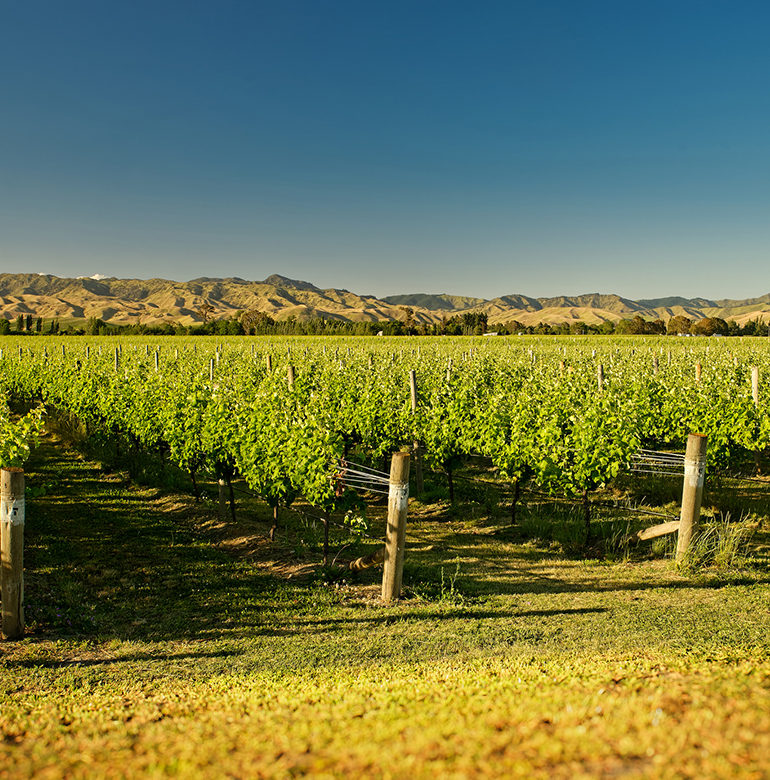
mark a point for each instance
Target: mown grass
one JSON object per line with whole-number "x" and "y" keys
{"x": 154, "y": 652}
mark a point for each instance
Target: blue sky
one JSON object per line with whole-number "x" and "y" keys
{"x": 480, "y": 148}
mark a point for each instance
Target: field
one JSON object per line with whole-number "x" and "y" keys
{"x": 166, "y": 639}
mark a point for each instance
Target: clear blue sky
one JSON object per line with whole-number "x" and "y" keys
{"x": 480, "y": 148}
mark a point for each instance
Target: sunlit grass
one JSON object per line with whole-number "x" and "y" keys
{"x": 154, "y": 653}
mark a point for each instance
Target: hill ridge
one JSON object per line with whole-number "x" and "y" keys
{"x": 158, "y": 300}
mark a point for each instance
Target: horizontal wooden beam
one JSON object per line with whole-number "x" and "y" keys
{"x": 368, "y": 561}
{"x": 658, "y": 530}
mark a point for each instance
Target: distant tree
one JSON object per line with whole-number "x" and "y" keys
{"x": 94, "y": 326}
{"x": 408, "y": 316}
{"x": 20, "y": 323}
{"x": 393, "y": 328}
{"x": 607, "y": 328}
{"x": 205, "y": 310}
{"x": 709, "y": 326}
{"x": 257, "y": 322}
{"x": 39, "y": 325}
{"x": 5, "y": 326}
{"x": 635, "y": 326}
{"x": 474, "y": 323}
{"x": 733, "y": 328}
{"x": 678, "y": 324}
{"x": 755, "y": 327}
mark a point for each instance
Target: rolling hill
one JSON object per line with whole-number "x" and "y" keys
{"x": 154, "y": 301}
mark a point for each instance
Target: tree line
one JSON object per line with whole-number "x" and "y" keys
{"x": 259, "y": 323}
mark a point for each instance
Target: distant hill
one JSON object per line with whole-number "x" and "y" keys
{"x": 435, "y": 302}
{"x": 154, "y": 301}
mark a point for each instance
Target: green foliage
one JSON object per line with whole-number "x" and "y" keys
{"x": 531, "y": 406}
{"x": 17, "y": 437}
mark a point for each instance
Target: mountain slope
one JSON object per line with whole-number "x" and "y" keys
{"x": 153, "y": 301}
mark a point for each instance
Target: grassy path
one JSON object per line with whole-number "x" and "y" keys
{"x": 153, "y": 653}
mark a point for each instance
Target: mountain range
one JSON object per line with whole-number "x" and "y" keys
{"x": 154, "y": 301}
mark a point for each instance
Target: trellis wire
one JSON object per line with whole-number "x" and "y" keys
{"x": 662, "y": 464}
{"x": 360, "y": 477}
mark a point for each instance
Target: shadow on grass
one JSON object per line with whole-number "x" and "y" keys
{"x": 103, "y": 562}
{"x": 452, "y": 613}
{"x": 76, "y": 663}
{"x": 536, "y": 584}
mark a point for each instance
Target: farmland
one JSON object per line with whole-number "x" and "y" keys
{"x": 168, "y": 638}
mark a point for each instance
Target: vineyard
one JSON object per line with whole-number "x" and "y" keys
{"x": 184, "y": 494}
{"x": 565, "y": 416}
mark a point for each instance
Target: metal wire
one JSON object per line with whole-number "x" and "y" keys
{"x": 344, "y": 463}
{"x": 361, "y": 475}
{"x": 657, "y": 472}
{"x": 661, "y": 454}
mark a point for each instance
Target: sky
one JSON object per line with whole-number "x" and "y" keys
{"x": 472, "y": 148}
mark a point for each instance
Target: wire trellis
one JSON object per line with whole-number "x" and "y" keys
{"x": 662, "y": 464}
{"x": 354, "y": 475}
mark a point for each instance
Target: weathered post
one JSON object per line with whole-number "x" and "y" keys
{"x": 755, "y": 398}
{"x": 222, "y": 496}
{"x": 156, "y": 360}
{"x": 211, "y": 369}
{"x": 268, "y": 363}
{"x": 418, "y": 483}
{"x": 398, "y": 499}
{"x": 290, "y": 376}
{"x": 692, "y": 491}
{"x": 698, "y": 371}
{"x": 12, "y": 551}
{"x": 600, "y": 377}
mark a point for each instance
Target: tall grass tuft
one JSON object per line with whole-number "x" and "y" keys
{"x": 721, "y": 544}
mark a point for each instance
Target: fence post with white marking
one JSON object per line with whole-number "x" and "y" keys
{"x": 692, "y": 491}
{"x": 12, "y": 551}
{"x": 398, "y": 499}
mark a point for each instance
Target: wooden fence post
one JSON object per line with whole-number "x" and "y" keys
{"x": 222, "y": 495}
{"x": 398, "y": 499}
{"x": 692, "y": 491}
{"x": 418, "y": 483}
{"x": 755, "y": 398}
{"x": 600, "y": 377}
{"x": 290, "y": 376}
{"x": 12, "y": 551}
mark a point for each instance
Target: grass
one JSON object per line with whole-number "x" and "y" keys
{"x": 162, "y": 643}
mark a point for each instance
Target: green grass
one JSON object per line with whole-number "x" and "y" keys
{"x": 152, "y": 651}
